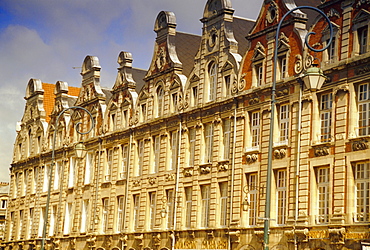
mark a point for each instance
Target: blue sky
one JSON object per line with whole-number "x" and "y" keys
{"x": 45, "y": 39}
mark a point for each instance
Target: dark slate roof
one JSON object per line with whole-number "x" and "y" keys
{"x": 187, "y": 46}
{"x": 311, "y": 15}
{"x": 108, "y": 94}
{"x": 241, "y": 27}
{"x": 138, "y": 75}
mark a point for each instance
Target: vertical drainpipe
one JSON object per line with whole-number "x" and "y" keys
{"x": 298, "y": 163}
{"x": 127, "y": 182}
{"x": 176, "y": 185}
{"x": 232, "y": 171}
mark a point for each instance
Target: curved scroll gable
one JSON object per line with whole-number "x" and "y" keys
{"x": 34, "y": 87}
{"x": 90, "y": 89}
{"x": 124, "y": 78}
{"x": 165, "y": 57}
{"x": 214, "y": 8}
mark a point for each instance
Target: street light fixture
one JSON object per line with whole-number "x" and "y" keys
{"x": 311, "y": 75}
{"x": 80, "y": 151}
{"x": 314, "y": 78}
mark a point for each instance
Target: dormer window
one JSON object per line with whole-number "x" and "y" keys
{"x": 258, "y": 65}
{"x": 212, "y": 81}
{"x": 160, "y": 101}
{"x": 360, "y": 28}
{"x": 330, "y": 54}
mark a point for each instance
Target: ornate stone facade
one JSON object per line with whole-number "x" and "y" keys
{"x": 177, "y": 158}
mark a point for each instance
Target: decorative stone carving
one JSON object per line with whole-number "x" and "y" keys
{"x": 188, "y": 172}
{"x": 360, "y": 145}
{"x": 301, "y": 235}
{"x": 336, "y": 235}
{"x": 170, "y": 177}
{"x": 234, "y": 236}
{"x": 321, "y": 151}
{"x": 136, "y": 183}
{"x": 205, "y": 169}
{"x": 157, "y": 239}
{"x": 139, "y": 238}
{"x": 280, "y": 153}
{"x": 152, "y": 180}
{"x": 342, "y": 87}
{"x": 223, "y": 166}
{"x": 251, "y": 158}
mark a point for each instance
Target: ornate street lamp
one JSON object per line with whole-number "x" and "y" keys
{"x": 311, "y": 75}
{"x": 80, "y": 153}
{"x": 313, "y": 78}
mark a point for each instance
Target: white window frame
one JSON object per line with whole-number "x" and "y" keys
{"x": 157, "y": 153}
{"x": 323, "y": 194}
{"x": 105, "y": 215}
{"x": 140, "y": 156}
{"x": 326, "y": 105}
{"x": 89, "y": 164}
{"x": 188, "y": 205}
{"x": 85, "y": 216}
{"x": 120, "y": 213}
{"x": 135, "y": 210}
{"x": 108, "y": 164}
{"x": 223, "y": 189}
{"x": 226, "y": 128}
{"x": 152, "y": 209}
{"x": 255, "y": 121}
{"x": 68, "y": 218}
{"x": 71, "y": 172}
{"x": 170, "y": 198}
{"x": 205, "y": 193}
{"x": 252, "y": 196}
{"x": 284, "y": 123}
{"x": 124, "y": 161}
{"x": 208, "y": 145}
{"x": 174, "y": 149}
{"x": 363, "y": 93}
{"x": 281, "y": 196}
{"x": 362, "y": 191}
{"x": 160, "y": 101}
{"x": 212, "y": 81}
{"x": 192, "y": 142}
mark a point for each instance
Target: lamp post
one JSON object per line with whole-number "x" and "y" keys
{"x": 310, "y": 74}
{"x": 80, "y": 153}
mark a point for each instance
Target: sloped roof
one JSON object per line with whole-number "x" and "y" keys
{"x": 49, "y": 97}
{"x": 187, "y": 46}
{"x": 311, "y": 15}
{"x": 138, "y": 76}
{"x": 241, "y": 28}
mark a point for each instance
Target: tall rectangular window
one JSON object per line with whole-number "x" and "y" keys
{"x": 35, "y": 179}
{"x": 152, "y": 209}
{"x": 194, "y": 91}
{"x": 53, "y": 220}
{"x": 174, "y": 102}
{"x": 68, "y": 218}
{"x": 226, "y": 127}
{"x": 20, "y": 225}
{"x": 205, "y": 204}
{"x": 108, "y": 165}
{"x": 25, "y": 182}
{"x": 30, "y": 223}
{"x": 71, "y": 173}
{"x": 192, "y": 137}
{"x": 140, "y": 159}
{"x": 157, "y": 153}
{"x": 89, "y": 164}
{"x": 188, "y": 206}
{"x": 282, "y": 67}
{"x": 136, "y": 210}
{"x": 212, "y": 82}
{"x": 57, "y": 171}
{"x": 364, "y": 109}
{"x": 331, "y": 50}
{"x": 223, "y": 203}
{"x": 105, "y": 213}
{"x": 174, "y": 149}
{"x": 255, "y": 129}
{"x": 363, "y": 39}
{"x": 124, "y": 163}
{"x": 281, "y": 195}
{"x": 170, "y": 207}
{"x": 284, "y": 123}
{"x": 85, "y": 216}
{"x": 323, "y": 194}
{"x": 46, "y": 178}
{"x": 252, "y": 198}
{"x": 326, "y": 103}
{"x": 120, "y": 213}
{"x": 259, "y": 74}
{"x": 143, "y": 112}
{"x": 208, "y": 147}
{"x": 362, "y": 191}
